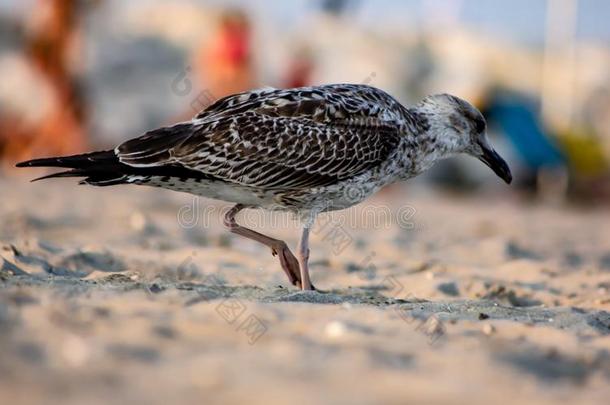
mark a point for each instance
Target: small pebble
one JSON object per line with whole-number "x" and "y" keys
{"x": 489, "y": 329}
{"x": 335, "y": 329}
{"x": 75, "y": 351}
{"x": 449, "y": 288}
{"x": 155, "y": 288}
{"x": 137, "y": 220}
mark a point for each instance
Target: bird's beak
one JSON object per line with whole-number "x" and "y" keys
{"x": 495, "y": 162}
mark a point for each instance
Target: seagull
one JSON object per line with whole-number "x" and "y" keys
{"x": 304, "y": 150}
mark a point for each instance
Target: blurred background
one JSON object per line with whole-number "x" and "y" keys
{"x": 81, "y": 74}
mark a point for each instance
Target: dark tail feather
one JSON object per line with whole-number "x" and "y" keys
{"x": 99, "y": 168}
{"x": 104, "y": 169}
{"x": 85, "y": 160}
{"x": 67, "y": 173}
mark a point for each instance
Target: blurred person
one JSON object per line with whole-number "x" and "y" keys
{"x": 225, "y": 64}
{"x": 589, "y": 169}
{"x": 541, "y": 157}
{"x": 300, "y": 68}
{"x": 596, "y": 113}
{"x": 50, "y": 45}
{"x": 555, "y": 164}
{"x": 588, "y": 156}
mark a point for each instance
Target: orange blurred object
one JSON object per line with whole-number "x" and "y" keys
{"x": 301, "y": 69}
{"x": 225, "y": 65}
{"x": 49, "y": 47}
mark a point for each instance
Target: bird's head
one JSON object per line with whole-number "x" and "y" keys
{"x": 461, "y": 128}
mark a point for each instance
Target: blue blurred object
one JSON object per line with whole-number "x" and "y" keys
{"x": 518, "y": 118}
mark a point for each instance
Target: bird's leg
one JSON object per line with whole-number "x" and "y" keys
{"x": 303, "y": 257}
{"x": 289, "y": 263}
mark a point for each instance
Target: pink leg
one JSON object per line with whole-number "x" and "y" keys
{"x": 303, "y": 257}
{"x": 289, "y": 263}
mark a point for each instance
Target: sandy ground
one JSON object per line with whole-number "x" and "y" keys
{"x": 122, "y": 294}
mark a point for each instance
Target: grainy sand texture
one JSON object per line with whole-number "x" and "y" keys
{"x": 125, "y": 294}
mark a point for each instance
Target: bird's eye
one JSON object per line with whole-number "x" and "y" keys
{"x": 479, "y": 125}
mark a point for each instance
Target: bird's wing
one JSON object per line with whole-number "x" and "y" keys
{"x": 321, "y": 103}
{"x": 281, "y": 139}
{"x": 229, "y": 104}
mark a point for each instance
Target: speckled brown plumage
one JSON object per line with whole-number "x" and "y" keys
{"x": 305, "y": 150}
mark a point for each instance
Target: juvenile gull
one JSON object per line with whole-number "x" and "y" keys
{"x": 304, "y": 150}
